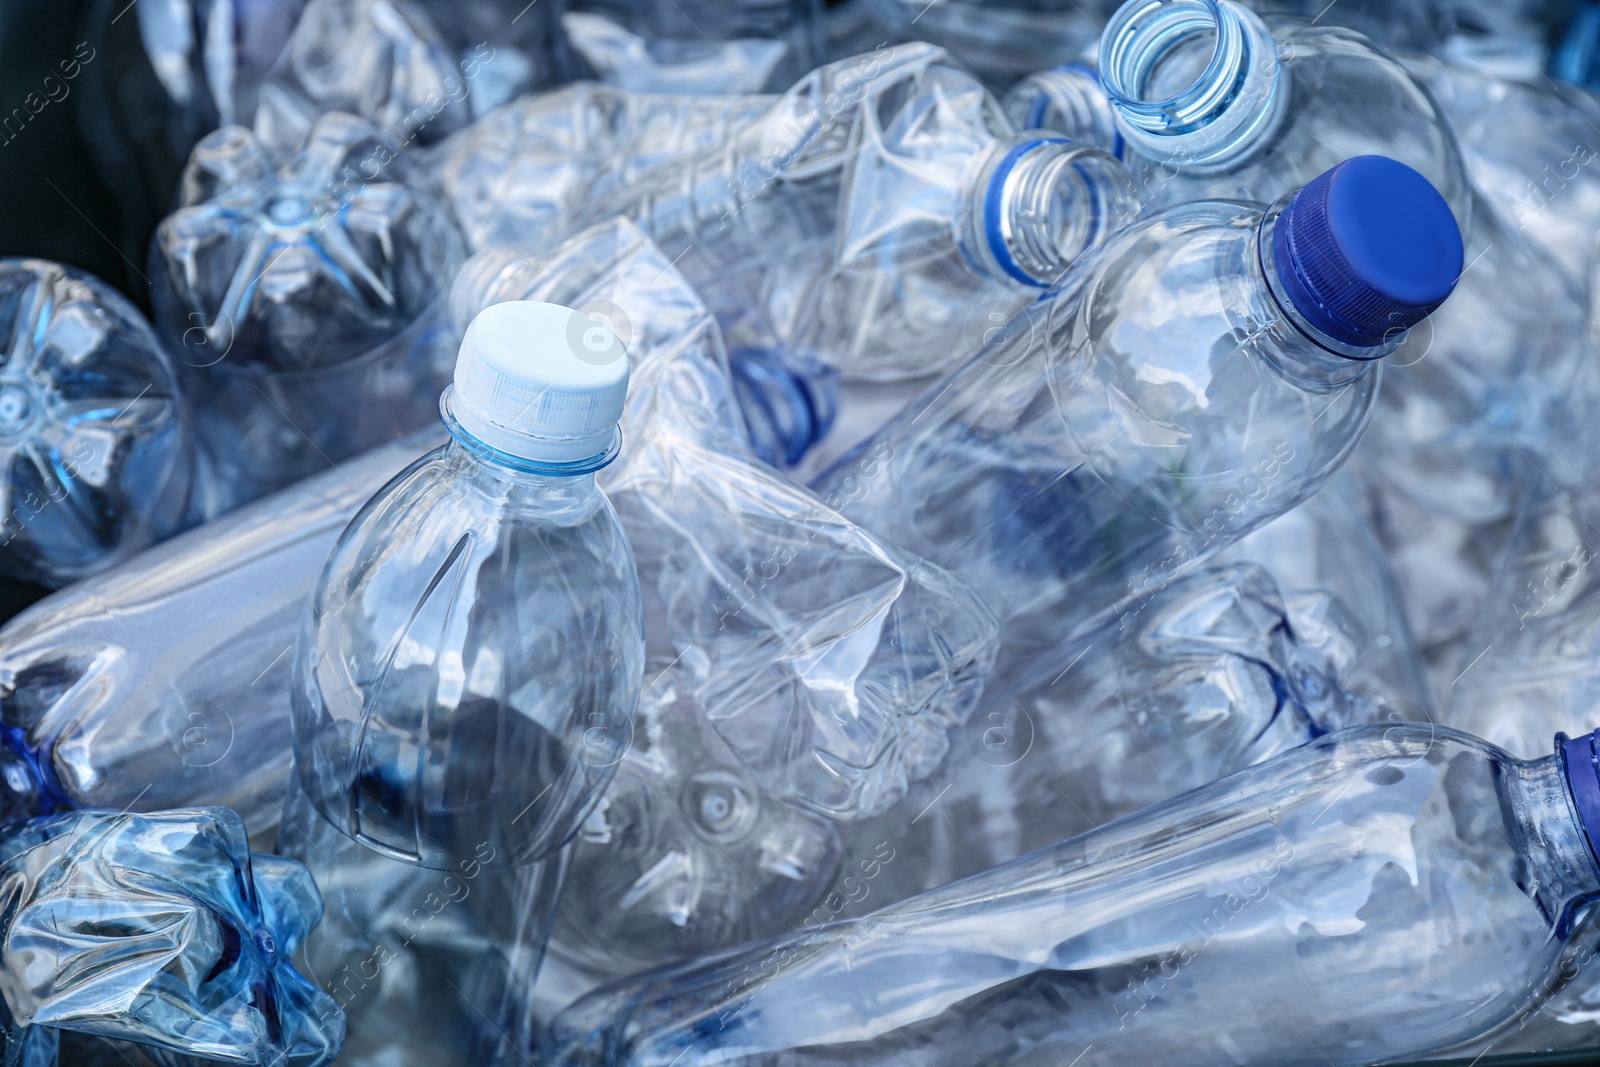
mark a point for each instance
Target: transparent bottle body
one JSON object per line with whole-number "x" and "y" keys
{"x": 1538, "y": 630}
{"x": 419, "y": 71}
{"x": 1375, "y": 894}
{"x": 304, "y": 304}
{"x": 470, "y": 662}
{"x": 164, "y": 682}
{"x": 428, "y": 965}
{"x": 690, "y": 850}
{"x": 759, "y": 47}
{"x": 97, "y": 449}
{"x": 1135, "y": 422}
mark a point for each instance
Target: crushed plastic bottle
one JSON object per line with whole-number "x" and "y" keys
{"x": 1335, "y": 873}
{"x": 1483, "y": 405}
{"x": 1000, "y": 41}
{"x": 97, "y": 446}
{"x": 642, "y": 64}
{"x": 1341, "y": 595}
{"x": 304, "y": 301}
{"x": 160, "y": 929}
{"x": 1529, "y": 146}
{"x": 689, "y": 851}
{"x": 1153, "y": 412}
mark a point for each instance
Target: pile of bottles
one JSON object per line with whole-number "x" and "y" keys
{"x": 671, "y": 534}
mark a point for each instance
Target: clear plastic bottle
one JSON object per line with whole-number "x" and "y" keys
{"x": 96, "y": 445}
{"x": 690, "y": 851}
{"x": 471, "y": 658}
{"x": 1202, "y": 373}
{"x": 874, "y": 209}
{"x": 304, "y": 302}
{"x": 515, "y": 174}
{"x": 1376, "y": 894}
{"x": 164, "y": 681}
{"x": 159, "y": 929}
{"x": 1000, "y": 41}
{"x": 1212, "y": 101}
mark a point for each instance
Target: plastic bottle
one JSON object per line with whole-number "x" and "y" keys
{"x": 163, "y": 682}
{"x": 159, "y": 929}
{"x": 1486, "y": 402}
{"x": 999, "y": 41}
{"x": 1331, "y": 876}
{"x": 1151, "y": 413}
{"x": 879, "y": 206}
{"x": 1212, "y": 101}
{"x": 477, "y": 628}
{"x": 1341, "y": 595}
{"x": 304, "y": 303}
{"x": 690, "y": 851}
{"x": 97, "y": 447}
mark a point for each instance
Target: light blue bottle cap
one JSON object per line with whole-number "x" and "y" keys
{"x": 1367, "y": 250}
{"x": 540, "y": 381}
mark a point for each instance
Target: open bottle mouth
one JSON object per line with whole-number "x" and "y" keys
{"x": 1044, "y": 202}
{"x": 1197, "y": 82}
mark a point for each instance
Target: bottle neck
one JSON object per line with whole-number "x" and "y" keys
{"x": 1196, "y": 83}
{"x": 1039, "y": 203}
{"x": 1555, "y": 803}
{"x": 1306, "y": 354}
{"x": 529, "y": 487}
{"x": 1068, "y": 99}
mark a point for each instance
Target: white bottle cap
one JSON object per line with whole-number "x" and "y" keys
{"x": 540, "y": 381}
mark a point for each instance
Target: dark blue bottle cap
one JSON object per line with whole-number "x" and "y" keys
{"x": 1581, "y": 767}
{"x": 1367, "y": 250}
